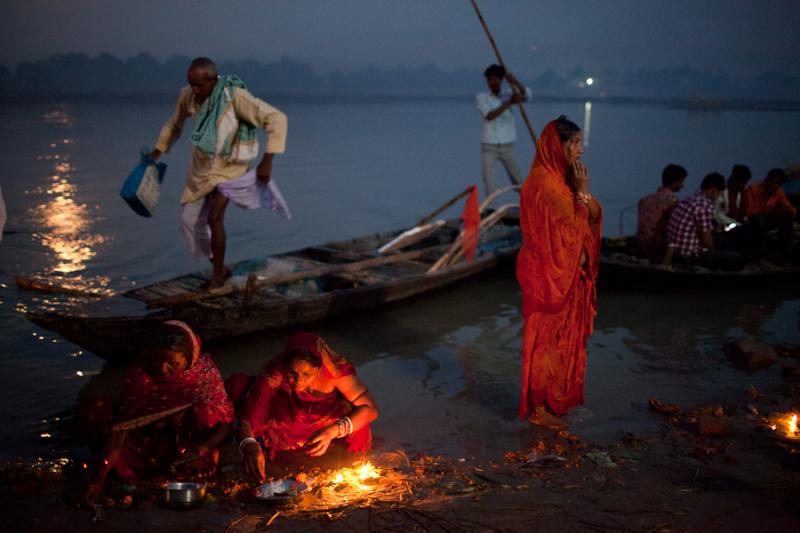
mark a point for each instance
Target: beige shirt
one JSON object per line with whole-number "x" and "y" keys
{"x": 205, "y": 171}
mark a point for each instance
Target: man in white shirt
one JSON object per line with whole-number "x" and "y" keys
{"x": 499, "y": 133}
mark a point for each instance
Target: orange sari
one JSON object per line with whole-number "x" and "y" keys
{"x": 558, "y": 294}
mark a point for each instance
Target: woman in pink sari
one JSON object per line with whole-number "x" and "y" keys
{"x": 173, "y": 415}
{"x": 305, "y": 398}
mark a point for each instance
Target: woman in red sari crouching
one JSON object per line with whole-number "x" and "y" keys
{"x": 173, "y": 414}
{"x": 305, "y": 398}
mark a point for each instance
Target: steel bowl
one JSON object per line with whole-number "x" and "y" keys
{"x": 181, "y": 494}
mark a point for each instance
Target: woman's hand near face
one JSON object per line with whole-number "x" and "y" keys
{"x": 581, "y": 174}
{"x": 320, "y": 441}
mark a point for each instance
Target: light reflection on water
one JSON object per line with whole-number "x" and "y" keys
{"x": 66, "y": 225}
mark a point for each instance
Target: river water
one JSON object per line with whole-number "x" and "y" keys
{"x": 444, "y": 369}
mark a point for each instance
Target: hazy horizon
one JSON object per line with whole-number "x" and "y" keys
{"x": 743, "y": 38}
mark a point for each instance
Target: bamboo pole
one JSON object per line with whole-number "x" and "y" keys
{"x": 444, "y": 206}
{"x": 486, "y": 223}
{"x": 502, "y": 64}
{"x": 457, "y": 247}
{"x": 290, "y": 277}
{"x": 489, "y": 199}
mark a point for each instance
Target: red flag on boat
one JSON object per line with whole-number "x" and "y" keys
{"x": 472, "y": 218}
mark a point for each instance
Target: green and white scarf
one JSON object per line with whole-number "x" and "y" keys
{"x": 218, "y": 132}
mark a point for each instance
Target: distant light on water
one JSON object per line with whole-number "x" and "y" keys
{"x": 587, "y": 122}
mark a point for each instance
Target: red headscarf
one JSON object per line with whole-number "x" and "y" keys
{"x": 147, "y": 398}
{"x": 555, "y": 231}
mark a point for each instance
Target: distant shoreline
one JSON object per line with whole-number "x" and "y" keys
{"x": 373, "y": 97}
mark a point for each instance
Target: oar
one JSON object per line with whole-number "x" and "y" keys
{"x": 32, "y": 284}
{"x": 291, "y": 277}
{"x": 500, "y": 60}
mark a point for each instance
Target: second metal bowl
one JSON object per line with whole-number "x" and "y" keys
{"x": 181, "y": 494}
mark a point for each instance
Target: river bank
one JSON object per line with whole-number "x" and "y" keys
{"x": 723, "y": 467}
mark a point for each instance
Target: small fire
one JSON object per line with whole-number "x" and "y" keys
{"x": 356, "y": 476}
{"x": 786, "y": 425}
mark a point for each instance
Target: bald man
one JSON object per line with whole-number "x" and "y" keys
{"x": 224, "y": 144}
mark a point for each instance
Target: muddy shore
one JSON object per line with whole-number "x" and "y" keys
{"x": 708, "y": 468}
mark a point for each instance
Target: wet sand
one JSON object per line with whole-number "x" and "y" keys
{"x": 673, "y": 479}
{"x": 706, "y": 467}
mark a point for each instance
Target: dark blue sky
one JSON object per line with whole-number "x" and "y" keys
{"x": 744, "y": 37}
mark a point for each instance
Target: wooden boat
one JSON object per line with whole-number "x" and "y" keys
{"x": 292, "y": 288}
{"x": 621, "y": 266}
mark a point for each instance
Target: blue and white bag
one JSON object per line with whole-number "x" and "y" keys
{"x": 142, "y": 187}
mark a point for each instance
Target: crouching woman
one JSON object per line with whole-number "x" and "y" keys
{"x": 306, "y": 398}
{"x": 173, "y": 414}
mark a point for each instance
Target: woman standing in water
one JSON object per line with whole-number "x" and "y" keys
{"x": 557, "y": 269}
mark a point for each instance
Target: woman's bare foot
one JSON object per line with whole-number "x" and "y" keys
{"x": 540, "y": 417}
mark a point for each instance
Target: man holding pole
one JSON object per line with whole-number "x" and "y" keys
{"x": 499, "y": 132}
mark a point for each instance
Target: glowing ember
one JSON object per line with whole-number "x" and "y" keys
{"x": 791, "y": 424}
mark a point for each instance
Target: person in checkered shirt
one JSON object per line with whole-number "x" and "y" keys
{"x": 690, "y": 228}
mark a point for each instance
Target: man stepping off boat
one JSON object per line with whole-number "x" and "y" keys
{"x": 223, "y": 145}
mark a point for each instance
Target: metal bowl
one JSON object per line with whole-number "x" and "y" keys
{"x": 181, "y": 494}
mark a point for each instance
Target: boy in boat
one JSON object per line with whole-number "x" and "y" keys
{"x": 499, "y": 132}
{"x": 690, "y": 226}
{"x": 223, "y": 144}
{"x": 654, "y": 211}
{"x": 306, "y": 400}
{"x": 767, "y": 207}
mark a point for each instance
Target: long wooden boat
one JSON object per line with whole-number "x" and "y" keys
{"x": 288, "y": 289}
{"x": 622, "y": 266}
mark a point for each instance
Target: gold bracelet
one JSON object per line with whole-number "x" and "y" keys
{"x": 584, "y": 197}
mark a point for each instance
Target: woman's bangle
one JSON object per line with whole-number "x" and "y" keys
{"x": 245, "y": 442}
{"x": 584, "y": 197}
{"x": 344, "y": 427}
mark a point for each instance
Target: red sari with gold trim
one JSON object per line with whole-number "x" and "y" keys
{"x": 284, "y": 419}
{"x": 558, "y": 294}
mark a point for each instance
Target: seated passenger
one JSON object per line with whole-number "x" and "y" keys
{"x": 654, "y": 212}
{"x": 173, "y": 414}
{"x": 304, "y": 399}
{"x": 729, "y": 207}
{"x": 733, "y": 231}
{"x": 766, "y": 208}
{"x": 690, "y": 226}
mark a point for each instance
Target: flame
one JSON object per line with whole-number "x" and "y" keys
{"x": 791, "y": 424}
{"x": 355, "y": 476}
